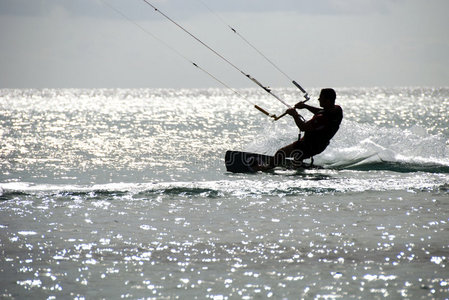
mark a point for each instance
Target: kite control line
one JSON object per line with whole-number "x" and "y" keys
{"x": 218, "y": 54}
{"x": 187, "y": 59}
{"x": 306, "y": 95}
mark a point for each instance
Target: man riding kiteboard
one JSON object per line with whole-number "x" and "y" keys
{"x": 318, "y": 132}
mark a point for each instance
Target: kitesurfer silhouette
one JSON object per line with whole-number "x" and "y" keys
{"x": 318, "y": 131}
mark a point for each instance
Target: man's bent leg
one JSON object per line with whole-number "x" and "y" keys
{"x": 290, "y": 151}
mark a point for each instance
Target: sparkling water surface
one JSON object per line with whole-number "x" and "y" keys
{"x": 115, "y": 193}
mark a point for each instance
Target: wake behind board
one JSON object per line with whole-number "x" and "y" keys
{"x": 243, "y": 162}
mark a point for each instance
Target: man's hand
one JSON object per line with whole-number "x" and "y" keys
{"x": 292, "y": 112}
{"x": 300, "y": 105}
{"x": 298, "y": 119}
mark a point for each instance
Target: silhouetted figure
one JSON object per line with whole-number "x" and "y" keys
{"x": 318, "y": 131}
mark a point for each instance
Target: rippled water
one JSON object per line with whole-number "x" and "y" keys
{"x": 124, "y": 194}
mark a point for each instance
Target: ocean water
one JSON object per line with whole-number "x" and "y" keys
{"x": 123, "y": 193}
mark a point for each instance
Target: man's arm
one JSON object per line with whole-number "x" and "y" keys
{"x": 312, "y": 109}
{"x": 303, "y": 126}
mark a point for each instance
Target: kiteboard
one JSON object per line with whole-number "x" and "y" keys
{"x": 247, "y": 162}
{"x": 244, "y": 162}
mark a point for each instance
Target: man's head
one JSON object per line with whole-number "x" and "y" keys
{"x": 327, "y": 97}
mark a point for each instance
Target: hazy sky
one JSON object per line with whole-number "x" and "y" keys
{"x": 338, "y": 43}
